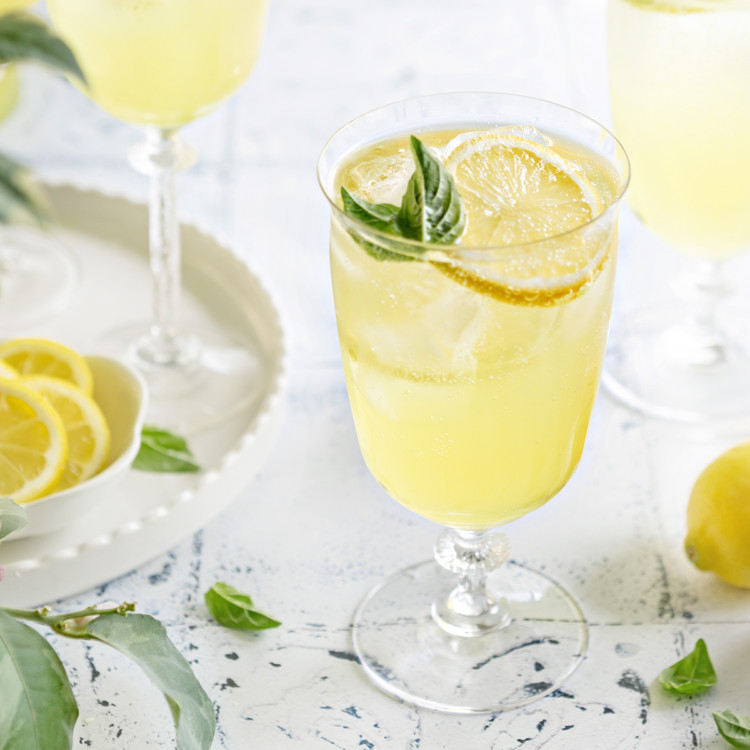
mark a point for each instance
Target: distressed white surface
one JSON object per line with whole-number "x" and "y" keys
{"x": 313, "y": 532}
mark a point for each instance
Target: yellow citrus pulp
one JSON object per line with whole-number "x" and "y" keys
{"x": 33, "y": 443}
{"x": 85, "y": 426}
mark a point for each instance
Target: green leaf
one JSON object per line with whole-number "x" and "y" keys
{"x": 431, "y": 210}
{"x": 144, "y": 640}
{"x": 734, "y": 729}
{"x": 692, "y": 675}
{"x": 162, "y": 451}
{"x": 21, "y": 198}
{"x": 233, "y": 609}
{"x": 37, "y": 708}
{"x": 24, "y": 37}
{"x": 12, "y": 517}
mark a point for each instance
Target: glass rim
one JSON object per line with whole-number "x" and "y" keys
{"x": 437, "y": 252}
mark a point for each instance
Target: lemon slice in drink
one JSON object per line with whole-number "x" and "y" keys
{"x": 35, "y": 356}
{"x": 521, "y": 194}
{"x": 85, "y": 427}
{"x": 33, "y": 443}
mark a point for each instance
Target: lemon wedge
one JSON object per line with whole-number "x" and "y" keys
{"x": 33, "y": 443}
{"x": 34, "y": 356}
{"x": 520, "y": 193}
{"x": 85, "y": 426}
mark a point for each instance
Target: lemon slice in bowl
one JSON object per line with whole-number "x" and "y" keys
{"x": 85, "y": 426}
{"x": 7, "y": 372}
{"x": 34, "y": 356}
{"x": 33, "y": 443}
{"x": 522, "y": 194}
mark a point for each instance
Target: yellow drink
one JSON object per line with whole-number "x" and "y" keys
{"x": 472, "y": 383}
{"x": 680, "y": 87}
{"x": 161, "y": 62}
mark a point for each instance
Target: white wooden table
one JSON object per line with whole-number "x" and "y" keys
{"x": 313, "y": 532}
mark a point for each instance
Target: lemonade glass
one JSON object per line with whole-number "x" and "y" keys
{"x": 38, "y": 275}
{"x": 161, "y": 64}
{"x": 679, "y": 80}
{"x": 472, "y": 369}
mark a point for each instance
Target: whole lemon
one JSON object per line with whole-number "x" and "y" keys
{"x": 718, "y": 518}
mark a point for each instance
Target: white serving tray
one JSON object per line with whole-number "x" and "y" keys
{"x": 146, "y": 514}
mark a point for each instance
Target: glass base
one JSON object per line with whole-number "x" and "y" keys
{"x": 407, "y": 655}
{"x": 196, "y": 383}
{"x": 38, "y": 276}
{"x": 657, "y": 365}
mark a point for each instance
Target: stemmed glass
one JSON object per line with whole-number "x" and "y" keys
{"x": 161, "y": 64}
{"x": 679, "y": 81}
{"x": 471, "y": 375}
{"x": 38, "y": 275}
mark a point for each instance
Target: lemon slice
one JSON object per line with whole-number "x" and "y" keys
{"x": 521, "y": 194}
{"x": 85, "y": 427}
{"x": 43, "y": 357}
{"x": 7, "y": 372}
{"x": 33, "y": 443}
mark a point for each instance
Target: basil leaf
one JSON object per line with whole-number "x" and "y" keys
{"x": 734, "y": 729}
{"x": 21, "y": 199}
{"x": 12, "y": 517}
{"x": 24, "y": 37}
{"x": 143, "y": 639}
{"x": 233, "y": 609}
{"x": 692, "y": 675}
{"x": 431, "y": 209}
{"x": 38, "y": 710}
{"x": 162, "y": 451}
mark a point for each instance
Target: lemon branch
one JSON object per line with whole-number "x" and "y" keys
{"x": 71, "y": 624}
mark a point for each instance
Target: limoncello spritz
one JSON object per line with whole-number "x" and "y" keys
{"x": 161, "y": 62}
{"x": 473, "y": 251}
{"x": 679, "y": 82}
{"x": 680, "y": 77}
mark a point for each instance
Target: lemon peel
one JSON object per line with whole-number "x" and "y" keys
{"x": 718, "y": 518}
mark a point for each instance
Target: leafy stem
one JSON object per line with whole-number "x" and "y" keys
{"x": 70, "y": 624}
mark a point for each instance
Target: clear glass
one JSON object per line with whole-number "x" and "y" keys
{"x": 679, "y": 81}
{"x": 471, "y": 402}
{"x": 161, "y": 65}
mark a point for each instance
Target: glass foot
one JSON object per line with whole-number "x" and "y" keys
{"x": 38, "y": 276}
{"x": 410, "y": 657}
{"x": 197, "y": 383}
{"x": 660, "y": 366}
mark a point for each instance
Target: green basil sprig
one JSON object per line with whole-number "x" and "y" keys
{"x": 163, "y": 451}
{"x": 733, "y": 728}
{"x": 233, "y": 609}
{"x": 431, "y": 209}
{"x": 692, "y": 675}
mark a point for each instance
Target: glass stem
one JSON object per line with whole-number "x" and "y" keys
{"x": 707, "y": 343}
{"x": 159, "y": 158}
{"x": 470, "y": 608}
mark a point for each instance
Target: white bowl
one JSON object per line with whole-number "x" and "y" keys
{"x": 122, "y": 396}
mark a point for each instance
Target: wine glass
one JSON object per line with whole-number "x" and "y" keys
{"x": 472, "y": 370}
{"x": 161, "y": 64}
{"x": 38, "y": 275}
{"x": 679, "y": 78}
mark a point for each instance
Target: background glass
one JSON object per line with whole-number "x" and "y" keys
{"x": 679, "y": 81}
{"x": 161, "y": 64}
